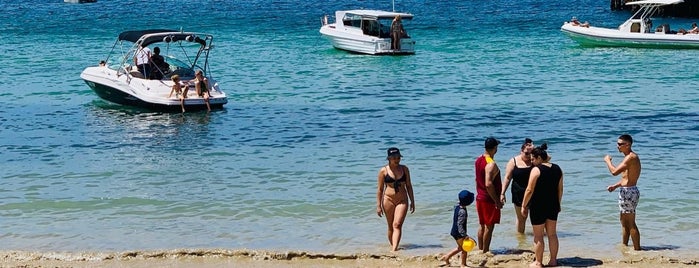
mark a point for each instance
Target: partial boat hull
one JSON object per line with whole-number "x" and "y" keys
{"x": 119, "y": 97}
{"x": 373, "y": 46}
{"x": 594, "y": 37}
{"x": 637, "y": 31}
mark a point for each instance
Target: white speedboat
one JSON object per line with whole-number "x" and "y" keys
{"x": 118, "y": 80}
{"x": 637, "y": 31}
{"x": 366, "y": 31}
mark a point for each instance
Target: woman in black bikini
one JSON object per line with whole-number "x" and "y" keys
{"x": 201, "y": 84}
{"x": 393, "y": 195}
{"x": 517, "y": 171}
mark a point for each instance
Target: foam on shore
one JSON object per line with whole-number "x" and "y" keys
{"x": 261, "y": 258}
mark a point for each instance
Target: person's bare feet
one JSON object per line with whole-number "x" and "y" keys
{"x": 445, "y": 260}
{"x": 552, "y": 263}
{"x": 535, "y": 264}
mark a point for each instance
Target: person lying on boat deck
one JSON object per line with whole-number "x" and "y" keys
{"x": 179, "y": 89}
{"x": 159, "y": 66}
{"x": 575, "y": 22}
{"x": 201, "y": 84}
{"x": 694, "y": 30}
{"x": 141, "y": 59}
{"x": 397, "y": 32}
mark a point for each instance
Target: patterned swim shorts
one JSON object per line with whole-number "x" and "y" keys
{"x": 628, "y": 199}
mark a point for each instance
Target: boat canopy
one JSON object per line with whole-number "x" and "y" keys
{"x": 376, "y": 14}
{"x": 655, "y": 2}
{"x": 159, "y": 35}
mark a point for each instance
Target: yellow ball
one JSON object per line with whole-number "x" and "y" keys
{"x": 468, "y": 244}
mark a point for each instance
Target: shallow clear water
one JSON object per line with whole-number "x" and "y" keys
{"x": 291, "y": 162}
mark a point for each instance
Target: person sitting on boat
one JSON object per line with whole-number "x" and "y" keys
{"x": 397, "y": 32}
{"x": 695, "y": 29}
{"x": 180, "y": 89}
{"x": 142, "y": 60}
{"x": 160, "y": 66}
{"x": 575, "y": 22}
{"x": 201, "y": 84}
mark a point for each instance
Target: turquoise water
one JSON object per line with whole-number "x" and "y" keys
{"x": 291, "y": 161}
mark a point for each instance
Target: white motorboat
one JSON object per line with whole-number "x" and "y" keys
{"x": 637, "y": 31}
{"x": 366, "y": 31}
{"x": 118, "y": 80}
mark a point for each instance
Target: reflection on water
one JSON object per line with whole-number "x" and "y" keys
{"x": 136, "y": 125}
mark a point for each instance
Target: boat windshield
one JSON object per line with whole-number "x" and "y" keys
{"x": 379, "y": 27}
{"x": 181, "y": 68}
{"x": 352, "y": 20}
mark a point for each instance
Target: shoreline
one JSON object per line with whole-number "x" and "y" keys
{"x": 265, "y": 258}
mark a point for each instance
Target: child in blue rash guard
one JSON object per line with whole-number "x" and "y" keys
{"x": 458, "y": 228}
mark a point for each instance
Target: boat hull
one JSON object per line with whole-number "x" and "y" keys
{"x": 150, "y": 94}
{"x": 358, "y": 43}
{"x": 603, "y": 37}
{"x": 117, "y": 96}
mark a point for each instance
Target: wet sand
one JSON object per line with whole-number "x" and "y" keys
{"x": 264, "y": 259}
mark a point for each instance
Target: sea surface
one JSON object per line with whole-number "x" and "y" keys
{"x": 291, "y": 162}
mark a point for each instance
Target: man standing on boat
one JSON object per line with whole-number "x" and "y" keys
{"x": 142, "y": 60}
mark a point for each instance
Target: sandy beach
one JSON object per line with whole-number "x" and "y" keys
{"x": 264, "y": 259}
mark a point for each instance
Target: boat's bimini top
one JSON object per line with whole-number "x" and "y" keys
{"x": 157, "y": 36}
{"x": 377, "y": 14}
{"x": 655, "y": 2}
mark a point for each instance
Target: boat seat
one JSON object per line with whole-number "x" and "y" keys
{"x": 137, "y": 74}
{"x": 133, "y": 71}
{"x": 636, "y": 27}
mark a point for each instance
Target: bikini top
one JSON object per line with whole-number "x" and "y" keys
{"x": 202, "y": 86}
{"x": 396, "y": 183}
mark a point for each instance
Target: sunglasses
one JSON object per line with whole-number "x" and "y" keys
{"x": 621, "y": 144}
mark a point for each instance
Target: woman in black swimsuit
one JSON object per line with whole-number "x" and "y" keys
{"x": 517, "y": 171}
{"x": 394, "y": 196}
{"x": 542, "y": 199}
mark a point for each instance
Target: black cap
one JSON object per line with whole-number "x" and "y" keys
{"x": 491, "y": 142}
{"x": 465, "y": 198}
{"x": 393, "y": 151}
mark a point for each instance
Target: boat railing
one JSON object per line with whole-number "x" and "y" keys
{"x": 324, "y": 20}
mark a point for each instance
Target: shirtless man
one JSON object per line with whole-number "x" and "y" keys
{"x": 630, "y": 170}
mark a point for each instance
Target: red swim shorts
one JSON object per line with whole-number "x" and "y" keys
{"x": 488, "y": 213}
